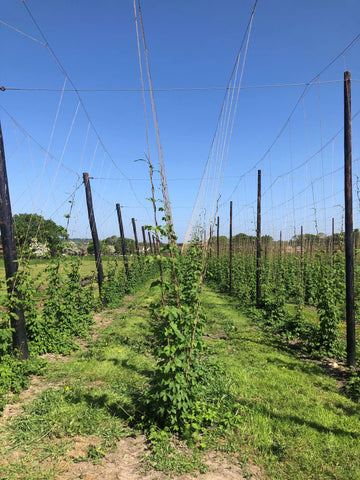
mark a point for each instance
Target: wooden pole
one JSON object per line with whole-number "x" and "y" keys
{"x": 150, "y": 243}
{"x": 122, "y": 235}
{"x": 218, "y": 238}
{"x": 17, "y": 321}
{"x": 209, "y": 243}
{"x": 280, "y": 244}
{"x": 349, "y": 236}
{"x": 136, "y": 238}
{"x": 230, "y": 252}
{"x": 94, "y": 235}
{"x": 258, "y": 243}
{"x": 302, "y": 242}
{"x": 144, "y": 239}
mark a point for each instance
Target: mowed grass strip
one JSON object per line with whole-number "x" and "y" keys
{"x": 297, "y": 423}
{"x": 93, "y": 394}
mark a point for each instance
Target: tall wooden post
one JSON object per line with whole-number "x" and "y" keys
{"x": 94, "y": 235}
{"x": 17, "y": 321}
{"x": 135, "y": 236}
{"x": 349, "y": 237}
{"x": 302, "y": 242}
{"x": 144, "y": 240}
{"x": 332, "y": 236}
{"x": 150, "y": 243}
{"x": 258, "y": 243}
{"x": 280, "y": 244}
{"x": 210, "y": 241}
{"x": 230, "y": 252}
{"x": 122, "y": 235}
{"x": 218, "y": 238}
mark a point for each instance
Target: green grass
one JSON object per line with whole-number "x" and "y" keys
{"x": 38, "y": 266}
{"x": 291, "y": 419}
{"x": 296, "y": 422}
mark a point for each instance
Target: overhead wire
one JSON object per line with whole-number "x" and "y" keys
{"x": 308, "y": 85}
{"x": 65, "y": 74}
{"x": 164, "y": 186}
{"x": 4, "y": 88}
{"x": 220, "y": 131}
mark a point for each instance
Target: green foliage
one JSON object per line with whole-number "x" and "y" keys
{"x": 114, "y": 242}
{"x": 29, "y": 226}
{"x": 114, "y": 286}
{"x": 330, "y": 293}
{"x": 352, "y": 386}
{"x": 291, "y": 285}
{"x": 178, "y": 329}
{"x": 58, "y": 309}
{"x": 14, "y": 375}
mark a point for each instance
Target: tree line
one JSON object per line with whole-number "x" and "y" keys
{"x": 40, "y": 238}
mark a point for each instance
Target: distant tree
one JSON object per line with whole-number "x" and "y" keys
{"x": 30, "y": 226}
{"x": 111, "y": 240}
{"x": 90, "y": 248}
{"x": 107, "y": 249}
{"x": 109, "y": 246}
{"x": 71, "y": 248}
{"x": 129, "y": 245}
{"x": 38, "y": 249}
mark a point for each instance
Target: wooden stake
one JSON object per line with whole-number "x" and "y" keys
{"x": 144, "y": 240}
{"x": 349, "y": 236}
{"x": 230, "y": 251}
{"x": 17, "y": 321}
{"x": 94, "y": 235}
{"x": 150, "y": 243}
{"x": 218, "y": 238}
{"x": 258, "y": 244}
{"x": 135, "y": 236}
{"x": 122, "y": 236}
{"x": 332, "y": 242}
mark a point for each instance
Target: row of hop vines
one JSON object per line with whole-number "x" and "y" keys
{"x": 303, "y": 297}
{"x": 58, "y": 310}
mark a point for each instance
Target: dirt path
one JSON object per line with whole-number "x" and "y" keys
{"x": 126, "y": 461}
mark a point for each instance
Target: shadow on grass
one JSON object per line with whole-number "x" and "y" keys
{"x": 267, "y": 412}
{"x": 122, "y": 410}
{"x": 125, "y": 363}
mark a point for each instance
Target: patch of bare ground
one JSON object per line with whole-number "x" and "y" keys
{"x": 103, "y": 320}
{"x": 127, "y": 463}
{"x": 106, "y": 317}
{"x": 37, "y": 385}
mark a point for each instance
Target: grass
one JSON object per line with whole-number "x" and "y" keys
{"x": 38, "y": 267}
{"x": 296, "y": 422}
{"x": 291, "y": 418}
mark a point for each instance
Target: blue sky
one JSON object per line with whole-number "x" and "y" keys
{"x": 191, "y": 45}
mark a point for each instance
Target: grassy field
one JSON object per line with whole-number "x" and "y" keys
{"x": 295, "y": 421}
{"x": 37, "y": 268}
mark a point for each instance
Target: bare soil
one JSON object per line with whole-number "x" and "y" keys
{"x": 127, "y": 460}
{"x": 127, "y": 463}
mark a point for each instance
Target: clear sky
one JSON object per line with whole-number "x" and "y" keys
{"x": 192, "y": 47}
